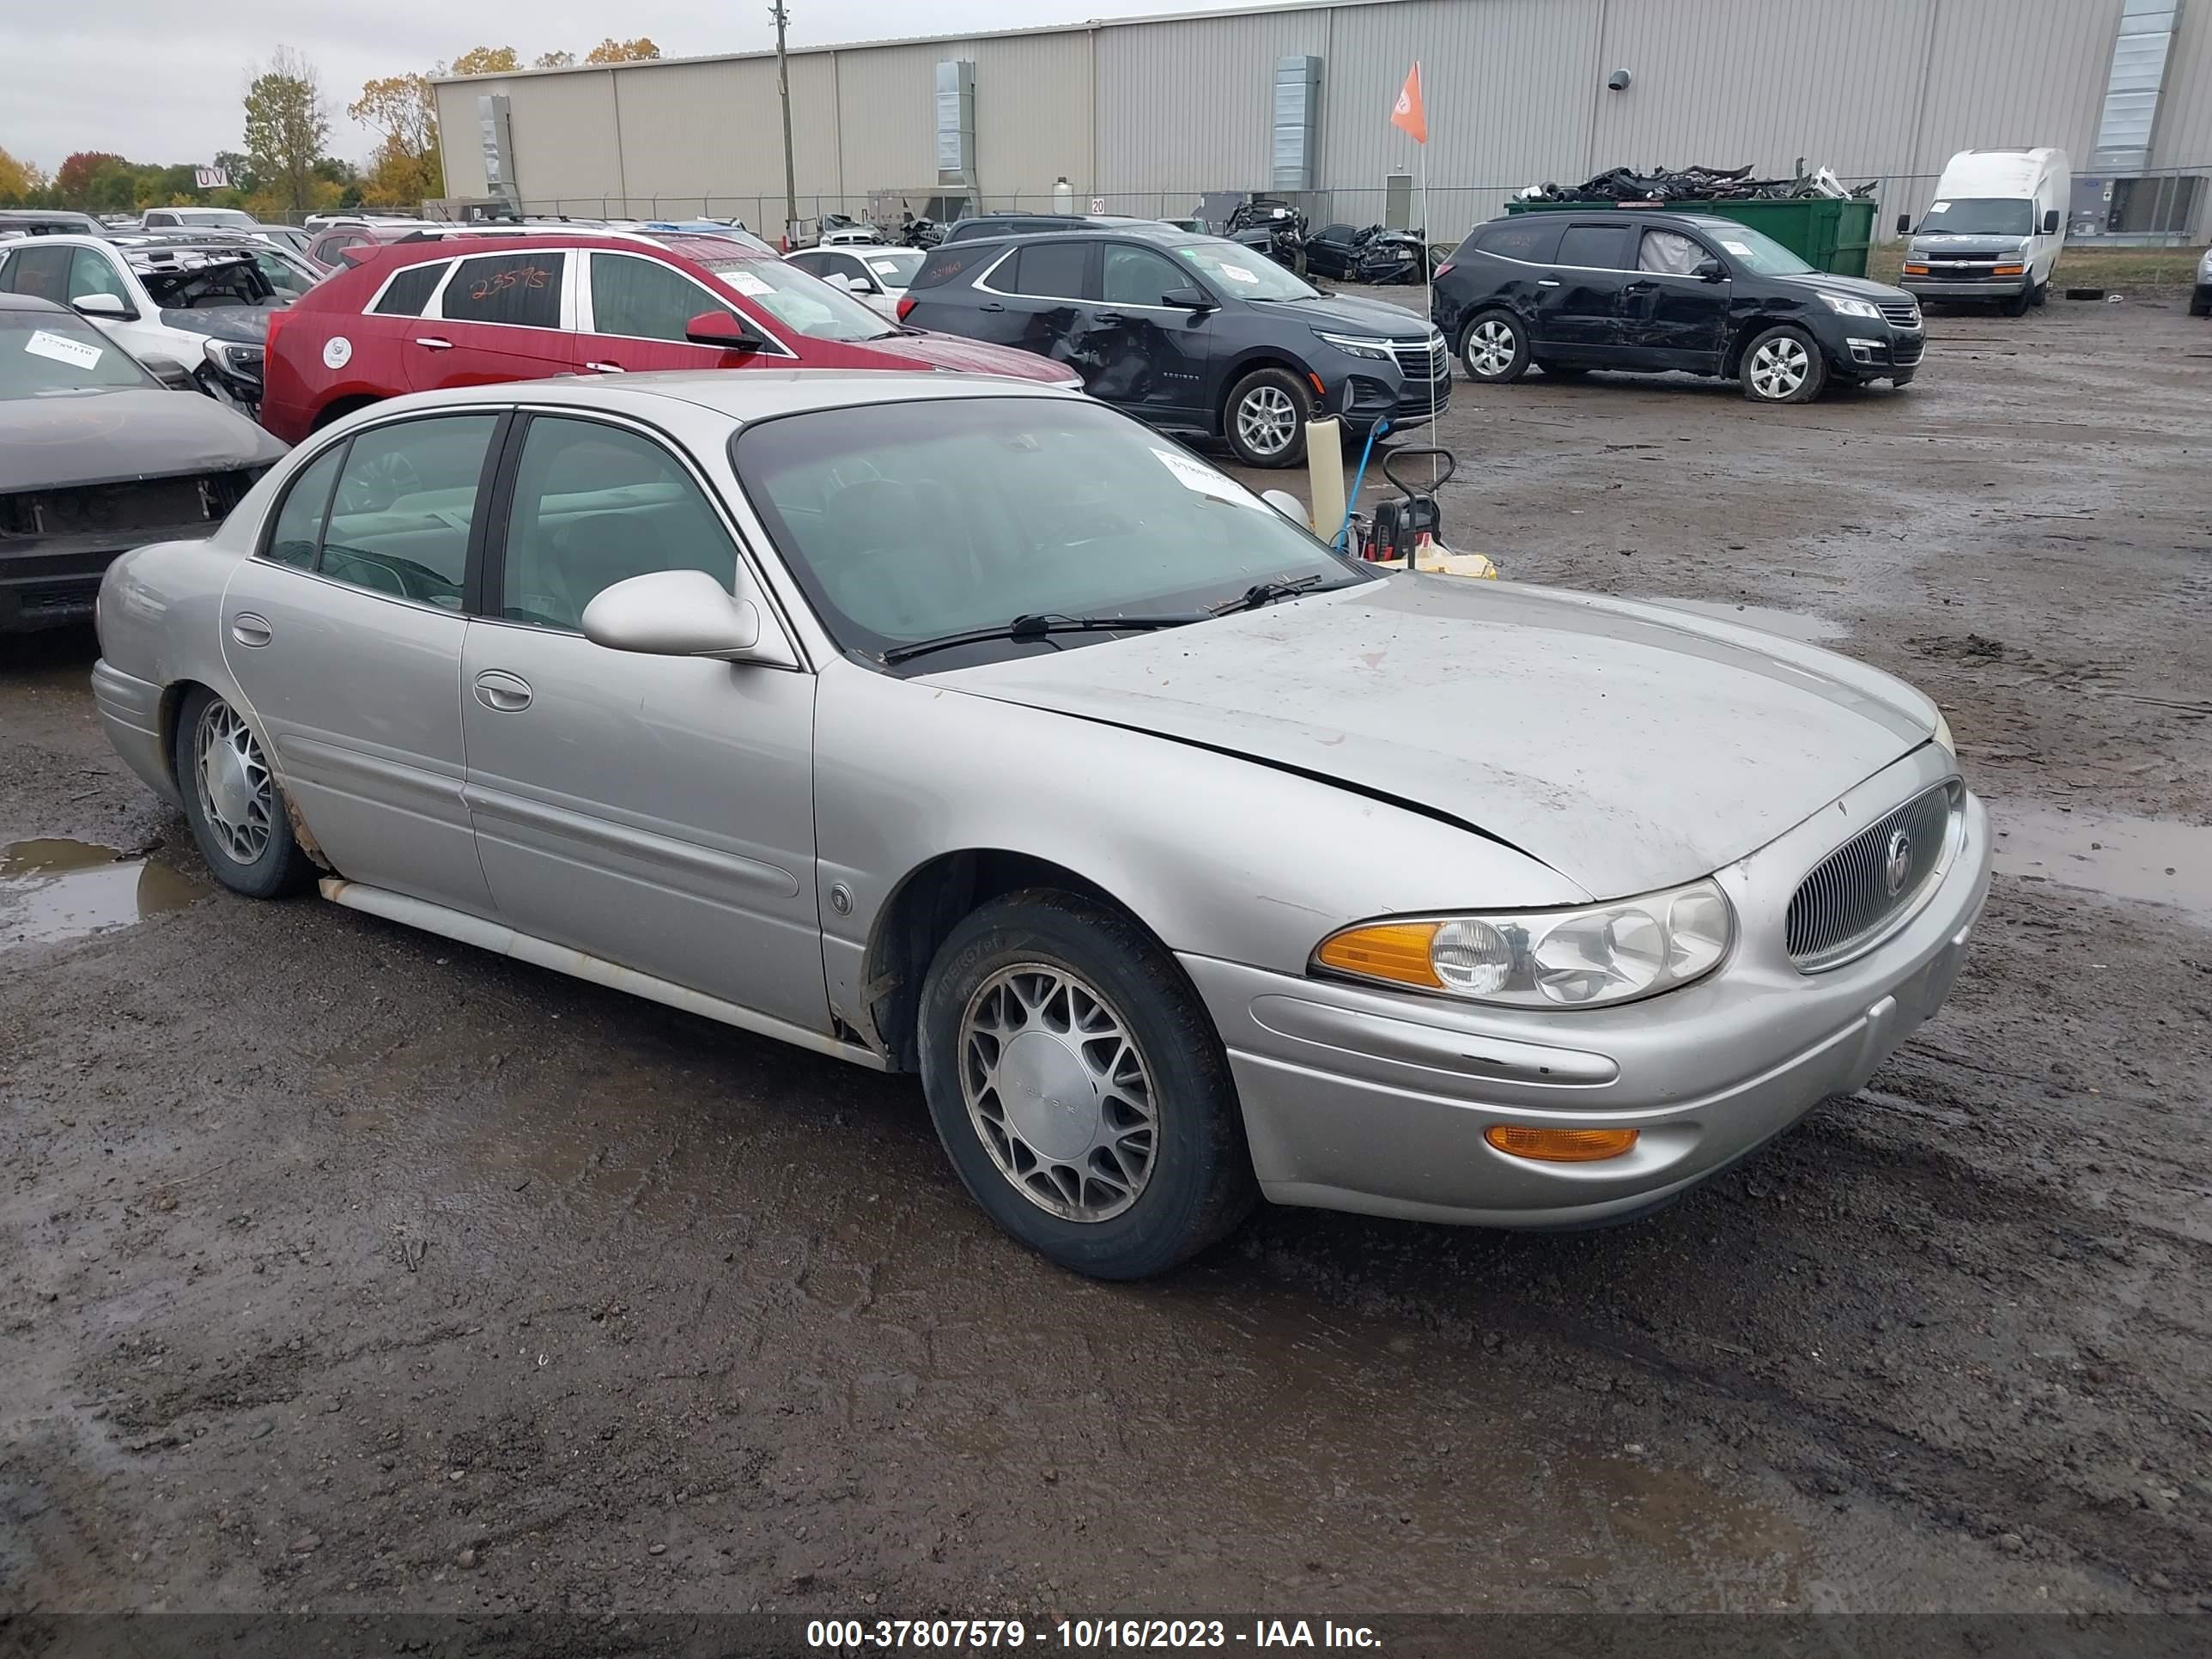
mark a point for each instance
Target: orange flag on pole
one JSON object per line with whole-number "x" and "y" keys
{"x": 1407, "y": 115}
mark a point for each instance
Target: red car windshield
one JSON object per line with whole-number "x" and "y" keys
{"x": 794, "y": 297}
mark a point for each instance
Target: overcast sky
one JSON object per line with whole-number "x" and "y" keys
{"x": 161, "y": 80}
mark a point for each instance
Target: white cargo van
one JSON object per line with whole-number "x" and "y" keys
{"x": 1995, "y": 230}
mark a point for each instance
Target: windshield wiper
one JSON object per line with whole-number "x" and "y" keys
{"x": 1265, "y": 593}
{"x": 1036, "y": 628}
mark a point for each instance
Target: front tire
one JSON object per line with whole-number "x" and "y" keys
{"x": 2039, "y": 294}
{"x": 1265, "y": 420}
{"x": 1494, "y": 350}
{"x": 2015, "y": 307}
{"x": 1783, "y": 365}
{"x": 1079, "y": 1087}
{"x": 234, "y": 803}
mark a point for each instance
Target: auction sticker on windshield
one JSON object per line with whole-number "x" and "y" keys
{"x": 1196, "y": 474}
{"x": 1238, "y": 274}
{"x": 62, "y": 349}
{"x": 1736, "y": 248}
{"x": 750, "y": 285}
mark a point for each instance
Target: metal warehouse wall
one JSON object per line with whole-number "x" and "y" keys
{"x": 1147, "y": 113}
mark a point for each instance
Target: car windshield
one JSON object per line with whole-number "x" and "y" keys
{"x": 800, "y": 301}
{"x": 1980, "y": 216}
{"x": 1756, "y": 251}
{"x": 186, "y": 281}
{"x": 908, "y": 521}
{"x": 894, "y": 267}
{"x": 222, "y": 218}
{"x": 45, "y": 354}
{"x": 1245, "y": 272}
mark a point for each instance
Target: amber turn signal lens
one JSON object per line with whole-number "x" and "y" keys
{"x": 1560, "y": 1145}
{"x": 1395, "y": 951}
{"x": 1916, "y": 271}
{"x": 2008, "y": 270}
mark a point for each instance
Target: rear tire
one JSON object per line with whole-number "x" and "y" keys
{"x": 1494, "y": 347}
{"x": 1783, "y": 365}
{"x": 234, "y": 803}
{"x": 1079, "y": 1086}
{"x": 1265, "y": 419}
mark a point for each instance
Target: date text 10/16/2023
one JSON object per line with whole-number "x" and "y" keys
{"x": 843, "y": 1635}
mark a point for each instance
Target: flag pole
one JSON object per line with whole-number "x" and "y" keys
{"x": 1428, "y": 284}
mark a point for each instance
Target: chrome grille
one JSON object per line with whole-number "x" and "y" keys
{"x": 1903, "y": 313}
{"x": 1422, "y": 360}
{"x": 1873, "y": 881}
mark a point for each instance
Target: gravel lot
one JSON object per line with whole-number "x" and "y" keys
{"x": 347, "y": 1268}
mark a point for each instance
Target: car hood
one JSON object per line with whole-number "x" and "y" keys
{"x": 1859, "y": 287}
{"x": 970, "y": 356}
{"x": 1628, "y": 747}
{"x": 110, "y": 437}
{"x": 1340, "y": 313}
{"x": 1941, "y": 242}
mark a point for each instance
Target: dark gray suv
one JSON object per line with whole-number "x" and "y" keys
{"x": 1195, "y": 335}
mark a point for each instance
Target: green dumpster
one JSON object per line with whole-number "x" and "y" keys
{"x": 1828, "y": 232}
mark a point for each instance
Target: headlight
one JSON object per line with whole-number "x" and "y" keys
{"x": 1851, "y": 307}
{"x": 1943, "y": 734}
{"x": 1358, "y": 345}
{"x": 1595, "y": 954}
{"x": 234, "y": 357}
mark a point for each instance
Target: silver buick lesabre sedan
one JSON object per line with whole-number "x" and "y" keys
{"x": 969, "y": 728}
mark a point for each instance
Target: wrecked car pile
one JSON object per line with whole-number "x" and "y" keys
{"x": 1692, "y": 185}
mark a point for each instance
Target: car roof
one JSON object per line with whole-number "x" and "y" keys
{"x": 754, "y": 394}
{"x": 1150, "y": 230}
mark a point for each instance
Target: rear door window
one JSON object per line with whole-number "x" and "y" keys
{"x": 406, "y": 496}
{"x": 296, "y": 536}
{"x": 1596, "y": 247}
{"x": 1050, "y": 271}
{"x": 522, "y": 291}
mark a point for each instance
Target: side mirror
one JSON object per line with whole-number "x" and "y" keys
{"x": 1710, "y": 271}
{"x": 171, "y": 374}
{"x": 721, "y": 328}
{"x": 838, "y": 280}
{"x": 2051, "y": 222}
{"x": 673, "y": 613}
{"x": 1904, "y": 224}
{"x": 104, "y": 305}
{"x": 1190, "y": 298}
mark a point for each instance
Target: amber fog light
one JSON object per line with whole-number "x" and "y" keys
{"x": 1560, "y": 1145}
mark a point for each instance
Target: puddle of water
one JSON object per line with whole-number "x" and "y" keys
{"x": 2127, "y": 858}
{"x": 1790, "y": 624}
{"x": 59, "y": 890}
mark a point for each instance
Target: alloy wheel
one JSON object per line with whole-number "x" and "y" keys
{"x": 237, "y": 794}
{"x": 1780, "y": 367}
{"x": 1491, "y": 347}
{"x": 1057, "y": 1092}
{"x": 1266, "y": 420}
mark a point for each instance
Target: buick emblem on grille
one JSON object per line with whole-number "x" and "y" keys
{"x": 1898, "y": 865}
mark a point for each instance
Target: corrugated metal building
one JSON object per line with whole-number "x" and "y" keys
{"x": 1143, "y": 113}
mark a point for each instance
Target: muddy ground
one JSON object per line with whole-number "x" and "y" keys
{"x": 347, "y": 1268}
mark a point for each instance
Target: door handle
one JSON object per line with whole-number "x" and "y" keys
{"x": 605, "y": 368}
{"x": 1641, "y": 288}
{"x": 1109, "y": 319}
{"x": 1547, "y": 282}
{"x": 498, "y": 690}
{"x": 249, "y": 629}
{"x": 992, "y": 305}
{"x": 431, "y": 342}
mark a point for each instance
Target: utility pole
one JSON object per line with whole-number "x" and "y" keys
{"x": 782, "y": 15}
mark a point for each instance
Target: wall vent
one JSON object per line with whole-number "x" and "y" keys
{"x": 2134, "y": 85}
{"x": 956, "y": 123}
{"x": 1297, "y": 122}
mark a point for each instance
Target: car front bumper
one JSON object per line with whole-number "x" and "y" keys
{"x": 1971, "y": 288}
{"x": 1370, "y": 1101}
{"x": 52, "y": 582}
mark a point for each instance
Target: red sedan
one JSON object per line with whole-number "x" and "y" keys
{"x": 472, "y": 310}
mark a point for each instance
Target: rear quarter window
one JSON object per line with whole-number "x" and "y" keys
{"x": 520, "y": 289}
{"x": 409, "y": 290}
{"x": 1533, "y": 240}
{"x": 941, "y": 267}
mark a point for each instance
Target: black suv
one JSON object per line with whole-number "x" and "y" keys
{"x": 1194, "y": 334}
{"x": 1615, "y": 288}
{"x": 1035, "y": 224}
